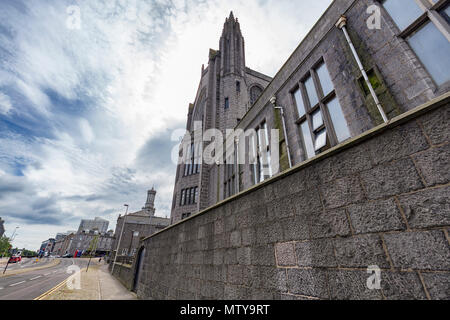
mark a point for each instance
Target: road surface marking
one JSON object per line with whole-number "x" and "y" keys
{"x": 15, "y": 284}
{"x": 46, "y": 274}
{"x": 55, "y": 271}
{"x": 35, "y": 278}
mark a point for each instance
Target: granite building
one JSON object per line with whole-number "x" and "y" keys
{"x": 227, "y": 90}
{"x": 99, "y": 224}
{"x": 318, "y": 100}
{"x": 47, "y": 247}
{"x": 362, "y": 107}
{"x": 82, "y": 242}
{"x": 137, "y": 225}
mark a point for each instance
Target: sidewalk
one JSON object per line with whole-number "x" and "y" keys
{"x": 96, "y": 284}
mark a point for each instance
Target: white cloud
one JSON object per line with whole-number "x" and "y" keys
{"x": 5, "y": 103}
{"x": 103, "y": 97}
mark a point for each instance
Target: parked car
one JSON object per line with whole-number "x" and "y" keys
{"x": 67, "y": 255}
{"x": 15, "y": 259}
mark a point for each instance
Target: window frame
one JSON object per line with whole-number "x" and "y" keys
{"x": 261, "y": 151}
{"x": 431, "y": 14}
{"x": 189, "y": 196}
{"x": 229, "y": 188}
{"x": 327, "y": 124}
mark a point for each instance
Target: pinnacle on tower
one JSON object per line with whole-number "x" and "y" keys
{"x": 232, "y": 47}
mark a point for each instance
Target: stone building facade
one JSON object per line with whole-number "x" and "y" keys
{"x": 137, "y": 225}
{"x": 85, "y": 241}
{"x": 226, "y": 91}
{"x": 362, "y": 195}
{"x": 99, "y": 224}
{"x": 82, "y": 242}
{"x": 320, "y": 89}
{"x": 376, "y": 205}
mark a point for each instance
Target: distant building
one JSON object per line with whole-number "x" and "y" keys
{"x": 47, "y": 247}
{"x": 83, "y": 242}
{"x": 97, "y": 224}
{"x": 72, "y": 242}
{"x": 138, "y": 225}
{"x": 2, "y": 228}
{"x": 60, "y": 236}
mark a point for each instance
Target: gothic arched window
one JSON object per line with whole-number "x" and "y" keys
{"x": 255, "y": 92}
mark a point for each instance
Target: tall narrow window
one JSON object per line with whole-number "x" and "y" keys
{"x": 183, "y": 194}
{"x": 196, "y": 195}
{"x": 422, "y": 26}
{"x": 320, "y": 118}
{"x": 260, "y": 157}
{"x": 197, "y": 157}
{"x": 337, "y": 117}
{"x": 229, "y": 174}
{"x": 227, "y": 103}
{"x": 253, "y": 157}
{"x": 255, "y": 92}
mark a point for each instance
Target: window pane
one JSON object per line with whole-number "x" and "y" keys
{"x": 299, "y": 102}
{"x": 403, "y": 12}
{"x": 321, "y": 140}
{"x": 446, "y": 13}
{"x": 317, "y": 119}
{"x": 255, "y": 173}
{"x": 338, "y": 119}
{"x": 266, "y": 135}
{"x": 307, "y": 139}
{"x": 269, "y": 164}
{"x": 312, "y": 94}
{"x": 325, "y": 80}
{"x": 433, "y": 49}
{"x": 254, "y": 151}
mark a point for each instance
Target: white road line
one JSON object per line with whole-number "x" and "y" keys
{"x": 15, "y": 284}
{"x": 35, "y": 278}
{"x": 55, "y": 271}
{"x": 46, "y": 274}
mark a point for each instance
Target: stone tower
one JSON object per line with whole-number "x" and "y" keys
{"x": 2, "y": 228}
{"x": 226, "y": 91}
{"x": 150, "y": 203}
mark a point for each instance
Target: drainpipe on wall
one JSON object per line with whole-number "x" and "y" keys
{"x": 273, "y": 100}
{"x": 236, "y": 141}
{"x": 341, "y": 24}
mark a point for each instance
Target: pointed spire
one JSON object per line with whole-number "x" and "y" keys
{"x": 231, "y": 15}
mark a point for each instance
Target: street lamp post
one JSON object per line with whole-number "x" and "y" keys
{"x": 120, "y": 239}
{"x": 14, "y": 233}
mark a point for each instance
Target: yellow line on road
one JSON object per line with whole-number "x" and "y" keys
{"x": 49, "y": 292}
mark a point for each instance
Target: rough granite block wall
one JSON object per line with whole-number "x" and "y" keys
{"x": 311, "y": 233}
{"x": 124, "y": 274}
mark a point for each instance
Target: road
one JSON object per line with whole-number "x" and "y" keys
{"x": 25, "y": 263}
{"x": 30, "y": 285}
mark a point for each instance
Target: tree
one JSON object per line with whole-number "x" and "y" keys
{"x": 5, "y": 245}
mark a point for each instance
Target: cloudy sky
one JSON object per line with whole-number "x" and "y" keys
{"x": 88, "y": 106}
